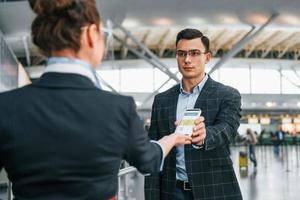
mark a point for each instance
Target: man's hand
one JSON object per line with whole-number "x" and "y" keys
{"x": 199, "y": 132}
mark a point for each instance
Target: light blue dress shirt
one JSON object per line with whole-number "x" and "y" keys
{"x": 72, "y": 65}
{"x": 185, "y": 101}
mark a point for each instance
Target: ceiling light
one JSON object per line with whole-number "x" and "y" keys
{"x": 257, "y": 18}
{"x": 130, "y": 23}
{"x": 196, "y": 21}
{"x": 148, "y": 121}
{"x": 270, "y": 104}
{"x": 290, "y": 19}
{"x": 228, "y": 19}
{"x": 162, "y": 22}
{"x": 138, "y": 103}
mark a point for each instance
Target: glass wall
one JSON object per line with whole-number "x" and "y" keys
{"x": 247, "y": 80}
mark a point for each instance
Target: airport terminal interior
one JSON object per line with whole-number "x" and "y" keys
{"x": 256, "y": 49}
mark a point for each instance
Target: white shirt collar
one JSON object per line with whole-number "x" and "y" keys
{"x": 72, "y": 69}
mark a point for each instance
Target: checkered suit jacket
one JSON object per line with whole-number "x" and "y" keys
{"x": 209, "y": 170}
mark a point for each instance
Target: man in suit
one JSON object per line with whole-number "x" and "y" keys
{"x": 204, "y": 169}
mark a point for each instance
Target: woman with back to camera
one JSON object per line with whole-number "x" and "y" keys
{"x": 63, "y": 137}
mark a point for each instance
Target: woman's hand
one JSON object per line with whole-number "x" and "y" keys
{"x": 180, "y": 139}
{"x": 174, "y": 139}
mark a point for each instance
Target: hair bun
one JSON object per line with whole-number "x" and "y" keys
{"x": 46, "y": 7}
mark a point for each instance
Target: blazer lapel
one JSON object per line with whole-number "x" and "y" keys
{"x": 206, "y": 90}
{"x": 172, "y": 109}
{"x": 172, "y": 105}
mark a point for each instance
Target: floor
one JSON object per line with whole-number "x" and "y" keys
{"x": 275, "y": 178}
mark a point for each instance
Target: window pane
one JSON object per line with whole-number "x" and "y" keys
{"x": 237, "y": 78}
{"x": 137, "y": 80}
{"x": 289, "y": 77}
{"x": 111, "y": 77}
{"x": 265, "y": 81}
{"x": 160, "y": 78}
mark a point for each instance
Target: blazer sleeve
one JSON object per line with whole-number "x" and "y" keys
{"x": 152, "y": 182}
{"x": 227, "y": 121}
{"x": 1, "y": 165}
{"x": 1, "y": 156}
{"x": 146, "y": 156}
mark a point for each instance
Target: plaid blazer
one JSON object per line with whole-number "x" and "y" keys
{"x": 210, "y": 171}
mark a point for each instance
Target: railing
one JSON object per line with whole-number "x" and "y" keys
{"x": 8, "y": 77}
{"x": 123, "y": 192}
{"x": 9, "y": 191}
{"x": 123, "y": 183}
{"x": 8, "y": 67}
{"x": 127, "y": 170}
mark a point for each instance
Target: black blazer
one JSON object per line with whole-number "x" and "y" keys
{"x": 62, "y": 138}
{"x": 209, "y": 170}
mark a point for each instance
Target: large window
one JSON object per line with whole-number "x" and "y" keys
{"x": 136, "y": 80}
{"x": 290, "y": 82}
{"x": 236, "y": 77}
{"x": 248, "y": 80}
{"x": 265, "y": 81}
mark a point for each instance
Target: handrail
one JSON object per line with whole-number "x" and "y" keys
{"x": 126, "y": 171}
{"x": 8, "y": 66}
{"x": 122, "y": 172}
{"x": 8, "y": 48}
{"x": 9, "y": 191}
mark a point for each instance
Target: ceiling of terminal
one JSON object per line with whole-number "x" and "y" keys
{"x": 155, "y": 23}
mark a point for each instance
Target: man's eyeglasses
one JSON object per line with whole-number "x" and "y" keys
{"x": 192, "y": 53}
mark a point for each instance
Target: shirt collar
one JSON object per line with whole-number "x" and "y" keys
{"x": 73, "y": 66}
{"x": 198, "y": 88}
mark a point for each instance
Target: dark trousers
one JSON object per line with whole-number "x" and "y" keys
{"x": 276, "y": 149}
{"x": 180, "y": 194}
{"x": 252, "y": 155}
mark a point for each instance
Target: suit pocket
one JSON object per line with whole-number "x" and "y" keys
{"x": 220, "y": 162}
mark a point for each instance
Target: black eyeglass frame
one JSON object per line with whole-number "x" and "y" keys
{"x": 191, "y": 53}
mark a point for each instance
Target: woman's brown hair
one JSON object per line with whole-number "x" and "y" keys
{"x": 58, "y": 24}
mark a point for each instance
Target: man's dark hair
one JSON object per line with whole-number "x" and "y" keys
{"x": 190, "y": 34}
